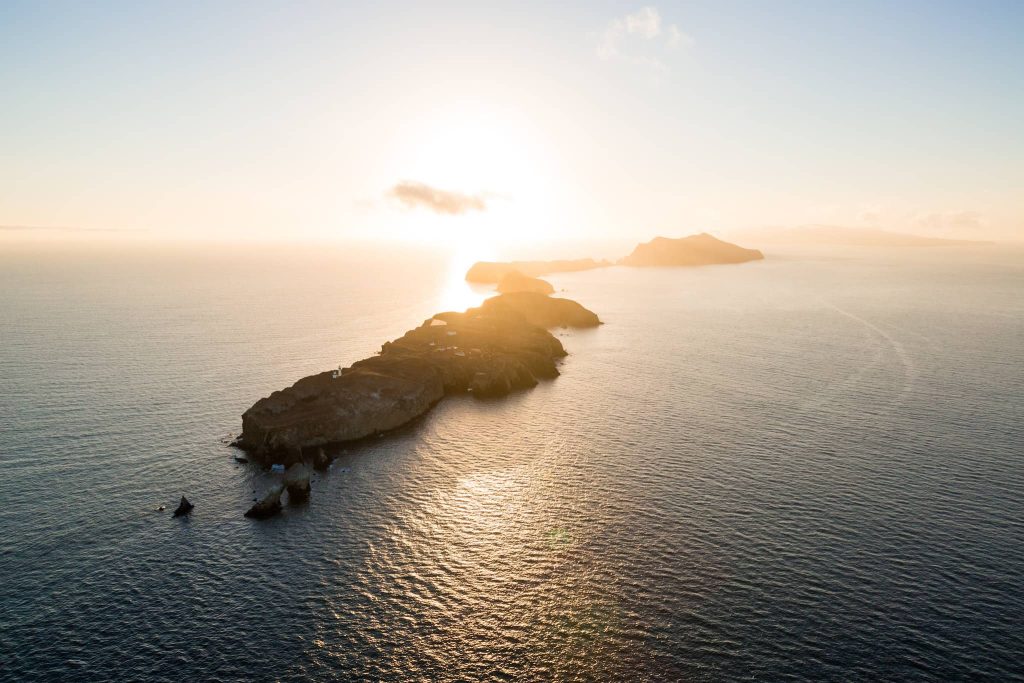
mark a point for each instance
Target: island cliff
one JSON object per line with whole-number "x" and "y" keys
{"x": 695, "y": 250}
{"x": 491, "y": 350}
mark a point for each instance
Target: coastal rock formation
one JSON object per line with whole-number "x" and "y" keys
{"x": 320, "y": 461}
{"x": 517, "y": 282}
{"x": 266, "y": 507}
{"x": 695, "y": 250}
{"x": 297, "y": 482}
{"x": 541, "y": 310}
{"x": 184, "y": 507}
{"x": 491, "y": 350}
{"x": 493, "y": 271}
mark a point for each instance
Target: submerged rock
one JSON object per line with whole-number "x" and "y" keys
{"x": 491, "y": 350}
{"x": 268, "y": 506}
{"x": 184, "y": 507}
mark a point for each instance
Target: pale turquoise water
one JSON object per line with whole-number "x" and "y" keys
{"x": 810, "y": 468}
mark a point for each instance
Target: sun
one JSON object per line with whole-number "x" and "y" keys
{"x": 499, "y": 155}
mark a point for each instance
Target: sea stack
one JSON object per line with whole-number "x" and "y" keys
{"x": 296, "y": 481}
{"x": 268, "y": 506}
{"x": 184, "y": 507}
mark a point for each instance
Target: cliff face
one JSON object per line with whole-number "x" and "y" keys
{"x": 695, "y": 250}
{"x": 492, "y": 350}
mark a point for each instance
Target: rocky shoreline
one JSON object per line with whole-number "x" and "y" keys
{"x": 501, "y": 346}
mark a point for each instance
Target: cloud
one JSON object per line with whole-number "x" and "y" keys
{"x": 634, "y": 37}
{"x": 413, "y": 195}
{"x": 646, "y": 22}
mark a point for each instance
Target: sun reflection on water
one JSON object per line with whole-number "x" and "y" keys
{"x": 456, "y": 294}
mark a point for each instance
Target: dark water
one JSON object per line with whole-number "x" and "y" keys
{"x": 809, "y": 468}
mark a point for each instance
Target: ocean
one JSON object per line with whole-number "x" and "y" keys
{"x": 808, "y": 468}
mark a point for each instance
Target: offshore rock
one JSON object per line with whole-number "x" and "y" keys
{"x": 268, "y": 506}
{"x": 296, "y": 481}
{"x": 184, "y": 507}
{"x": 499, "y": 347}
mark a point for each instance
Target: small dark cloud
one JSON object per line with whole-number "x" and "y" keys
{"x": 415, "y": 195}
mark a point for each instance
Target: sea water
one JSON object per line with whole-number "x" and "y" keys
{"x": 805, "y": 468}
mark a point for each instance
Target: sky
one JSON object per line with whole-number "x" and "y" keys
{"x": 509, "y": 122}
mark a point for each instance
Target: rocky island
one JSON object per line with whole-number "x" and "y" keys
{"x": 499, "y": 347}
{"x": 517, "y": 282}
{"x": 695, "y": 250}
{"x": 492, "y": 272}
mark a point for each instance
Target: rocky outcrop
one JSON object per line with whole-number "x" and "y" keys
{"x": 494, "y": 271}
{"x": 184, "y": 507}
{"x": 266, "y": 507}
{"x": 543, "y": 311}
{"x": 320, "y": 460}
{"x": 296, "y": 481}
{"x": 491, "y": 350}
{"x": 695, "y": 250}
{"x": 517, "y": 282}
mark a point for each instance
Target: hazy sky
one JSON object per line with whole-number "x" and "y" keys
{"x": 445, "y": 120}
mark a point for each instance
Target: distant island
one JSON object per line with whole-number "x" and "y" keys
{"x": 499, "y": 347}
{"x": 694, "y": 250}
{"x": 494, "y": 349}
{"x": 493, "y": 272}
{"x": 839, "y": 236}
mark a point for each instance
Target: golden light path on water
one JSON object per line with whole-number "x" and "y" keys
{"x": 726, "y": 482}
{"x": 484, "y": 553}
{"x": 455, "y": 294}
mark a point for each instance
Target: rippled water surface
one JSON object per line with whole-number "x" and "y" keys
{"x": 808, "y": 468}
